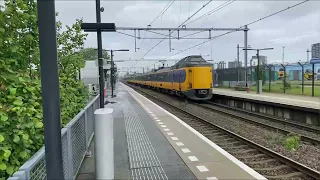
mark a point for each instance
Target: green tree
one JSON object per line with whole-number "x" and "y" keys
{"x": 91, "y": 54}
{"x": 19, "y": 33}
{"x": 21, "y": 124}
{"x": 73, "y": 93}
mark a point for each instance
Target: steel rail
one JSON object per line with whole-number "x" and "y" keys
{"x": 278, "y": 129}
{"x": 272, "y": 118}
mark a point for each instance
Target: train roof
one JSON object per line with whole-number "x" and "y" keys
{"x": 164, "y": 69}
{"x": 190, "y": 61}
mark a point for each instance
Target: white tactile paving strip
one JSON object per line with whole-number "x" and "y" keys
{"x": 201, "y": 168}
{"x": 144, "y": 163}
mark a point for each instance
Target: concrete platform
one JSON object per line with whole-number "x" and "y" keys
{"x": 278, "y": 98}
{"x": 205, "y": 159}
{"x": 141, "y": 151}
{"x": 151, "y": 143}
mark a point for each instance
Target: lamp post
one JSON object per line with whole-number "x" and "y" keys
{"x": 238, "y": 59}
{"x": 258, "y": 74}
{"x": 112, "y": 67}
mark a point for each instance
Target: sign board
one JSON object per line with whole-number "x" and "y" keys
{"x": 315, "y": 51}
{"x": 315, "y": 61}
{"x": 106, "y": 64}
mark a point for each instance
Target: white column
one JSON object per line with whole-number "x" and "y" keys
{"x": 103, "y": 145}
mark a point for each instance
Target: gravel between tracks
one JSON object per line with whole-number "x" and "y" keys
{"x": 275, "y": 124}
{"x": 306, "y": 154}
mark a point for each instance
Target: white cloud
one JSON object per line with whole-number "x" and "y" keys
{"x": 295, "y": 39}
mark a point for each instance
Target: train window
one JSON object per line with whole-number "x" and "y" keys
{"x": 167, "y": 79}
{"x": 175, "y": 76}
{"x": 170, "y": 76}
{"x": 182, "y": 75}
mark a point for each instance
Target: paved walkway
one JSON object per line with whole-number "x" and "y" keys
{"x": 288, "y": 99}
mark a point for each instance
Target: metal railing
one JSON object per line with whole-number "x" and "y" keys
{"x": 75, "y": 137}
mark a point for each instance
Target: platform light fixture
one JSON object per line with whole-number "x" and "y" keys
{"x": 112, "y": 67}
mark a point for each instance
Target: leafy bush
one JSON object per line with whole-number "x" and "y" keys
{"x": 20, "y": 120}
{"x": 21, "y": 123}
{"x": 292, "y": 142}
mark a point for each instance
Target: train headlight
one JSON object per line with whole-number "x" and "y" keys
{"x": 203, "y": 92}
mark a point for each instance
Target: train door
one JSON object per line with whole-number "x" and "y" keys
{"x": 179, "y": 79}
{"x": 190, "y": 78}
{"x": 172, "y": 79}
{"x": 175, "y": 80}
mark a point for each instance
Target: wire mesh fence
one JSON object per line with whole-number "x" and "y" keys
{"x": 295, "y": 78}
{"x": 75, "y": 138}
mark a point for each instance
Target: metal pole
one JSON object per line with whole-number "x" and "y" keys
{"x": 245, "y": 53}
{"x": 258, "y": 73}
{"x": 312, "y": 79}
{"x": 111, "y": 72}
{"x": 302, "y": 77}
{"x": 238, "y": 61}
{"x": 282, "y": 54}
{"x": 307, "y": 55}
{"x": 135, "y": 41}
{"x": 302, "y": 80}
{"x": 284, "y": 78}
{"x": 100, "y": 60}
{"x": 170, "y": 40}
{"x": 50, "y": 88}
{"x": 270, "y": 78}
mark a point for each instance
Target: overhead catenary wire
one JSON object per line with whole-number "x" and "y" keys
{"x": 162, "y": 11}
{"x": 160, "y": 14}
{"x": 253, "y": 22}
{"x": 203, "y": 6}
{"x": 221, "y": 6}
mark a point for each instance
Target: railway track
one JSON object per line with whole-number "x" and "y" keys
{"x": 263, "y": 121}
{"x": 268, "y": 163}
{"x": 272, "y": 118}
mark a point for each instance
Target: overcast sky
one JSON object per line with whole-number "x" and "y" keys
{"x": 296, "y": 28}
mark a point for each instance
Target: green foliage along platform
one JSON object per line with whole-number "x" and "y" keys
{"x": 21, "y": 125}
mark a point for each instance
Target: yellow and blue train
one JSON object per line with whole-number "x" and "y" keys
{"x": 191, "y": 77}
